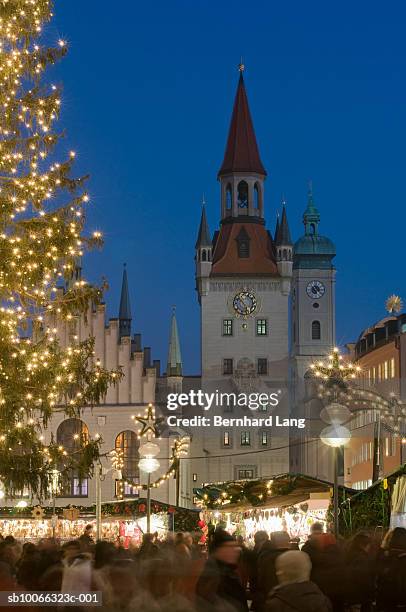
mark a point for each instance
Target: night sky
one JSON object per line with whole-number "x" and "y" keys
{"x": 148, "y": 93}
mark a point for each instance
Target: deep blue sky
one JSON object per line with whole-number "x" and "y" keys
{"x": 149, "y": 88}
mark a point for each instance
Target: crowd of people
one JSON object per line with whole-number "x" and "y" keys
{"x": 177, "y": 574}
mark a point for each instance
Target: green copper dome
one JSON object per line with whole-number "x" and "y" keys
{"x": 314, "y": 245}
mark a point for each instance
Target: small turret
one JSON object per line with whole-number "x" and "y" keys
{"x": 283, "y": 245}
{"x": 124, "y": 316}
{"x": 204, "y": 251}
{"x": 174, "y": 366}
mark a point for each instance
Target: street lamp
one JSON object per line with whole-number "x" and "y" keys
{"x": 54, "y": 491}
{"x": 101, "y": 473}
{"x": 336, "y": 436}
{"x": 148, "y": 464}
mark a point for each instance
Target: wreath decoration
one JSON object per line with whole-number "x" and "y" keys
{"x": 37, "y": 512}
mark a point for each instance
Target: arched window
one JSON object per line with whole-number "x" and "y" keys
{"x": 204, "y": 257}
{"x": 316, "y": 330}
{"x": 256, "y": 196}
{"x": 242, "y": 194}
{"x": 229, "y": 197}
{"x": 128, "y": 443}
{"x": 285, "y": 254}
{"x": 312, "y": 229}
{"x": 72, "y": 434}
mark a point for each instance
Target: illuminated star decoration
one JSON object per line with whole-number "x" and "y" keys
{"x": 149, "y": 423}
{"x": 334, "y": 372}
{"x": 394, "y": 304}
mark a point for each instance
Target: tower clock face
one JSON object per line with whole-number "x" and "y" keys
{"x": 315, "y": 289}
{"x": 244, "y": 303}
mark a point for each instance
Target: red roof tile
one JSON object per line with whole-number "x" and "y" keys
{"x": 242, "y": 154}
{"x": 260, "y": 262}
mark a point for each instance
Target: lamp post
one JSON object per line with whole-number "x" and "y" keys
{"x": 336, "y": 436}
{"x": 54, "y": 491}
{"x": 101, "y": 473}
{"x": 148, "y": 464}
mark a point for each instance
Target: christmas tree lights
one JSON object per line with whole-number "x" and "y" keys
{"x": 42, "y": 213}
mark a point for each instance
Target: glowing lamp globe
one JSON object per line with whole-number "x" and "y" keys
{"x": 148, "y": 464}
{"x": 335, "y": 435}
{"x": 335, "y": 414}
{"x": 149, "y": 449}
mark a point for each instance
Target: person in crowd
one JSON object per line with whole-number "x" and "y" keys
{"x": 295, "y": 591}
{"x": 278, "y": 543}
{"x": 29, "y": 568}
{"x": 327, "y": 566}
{"x": 260, "y": 538}
{"x": 316, "y": 529}
{"x": 86, "y": 539}
{"x": 148, "y": 548}
{"x": 10, "y": 553}
{"x": 219, "y": 583}
{"x": 360, "y": 572}
{"x": 391, "y": 570}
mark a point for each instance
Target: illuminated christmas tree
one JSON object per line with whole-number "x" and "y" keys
{"x": 41, "y": 240}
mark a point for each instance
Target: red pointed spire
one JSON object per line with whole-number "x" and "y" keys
{"x": 242, "y": 154}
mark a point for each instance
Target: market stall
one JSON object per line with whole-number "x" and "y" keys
{"x": 288, "y": 502}
{"x": 122, "y": 521}
{"x": 380, "y": 506}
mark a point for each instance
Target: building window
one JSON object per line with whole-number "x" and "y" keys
{"x": 256, "y": 196}
{"x": 227, "y": 327}
{"x": 125, "y": 489}
{"x": 194, "y": 477}
{"x": 245, "y": 438}
{"x": 73, "y": 434}
{"x": 392, "y": 368}
{"x": 245, "y": 474}
{"x": 390, "y": 446}
{"x": 229, "y": 197}
{"x": 316, "y": 330}
{"x": 262, "y": 366}
{"x": 79, "y": 487}
{"x": 385, "y": 370}
{"x": 262, "y": 327}
{"x": 226, "y": 438}
{"x": 264, "y": 438}
{"x": 127, "y": 443}
{"x": 242, "y": 192}
{"x": 227, "y": 367}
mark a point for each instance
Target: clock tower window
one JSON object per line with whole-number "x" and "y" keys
{"x": 256, "y": 197}
{"x": 316, "y": 330}
{"x": 229, "y": 197}
{"x": 261, "y": 327}
{"x": 262, "y": 366}
{"x": 227, "y": 367}
{"x": 242, "y": 193}
{"x": 227, "y": 327}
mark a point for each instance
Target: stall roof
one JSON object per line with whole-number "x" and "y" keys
{"x": 274, "y": 492}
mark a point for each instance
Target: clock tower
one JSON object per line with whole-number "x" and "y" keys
{"x": 243, "y": 280}
{"x": 313, "y": 293}
{"x": 313, "y": 337}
